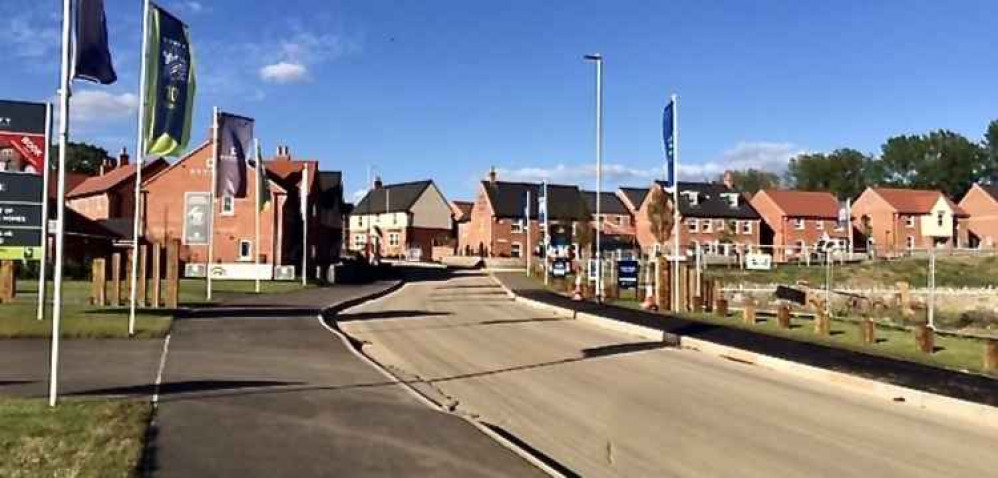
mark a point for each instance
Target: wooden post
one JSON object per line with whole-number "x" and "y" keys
{"x": 749, "y": 312}
{"x": 143, "y": 292}
{"x": 157, "y": 259}
{"x": 783, "y": 316}
{"x": 173, "y": 274}
{"x": 8, "y": 282}
{"x": 869, "y": 331}
{"x": 663, "y": 292}
{"x": 722, "y": 307}
{"x": 822, "y": 324}
{"x": 698, "y": 304}
{"x": 925, "y": 338}
{"x": 991, "y": 355}
{"x": 98, "y": 282}
{"x": 116, "y": 279}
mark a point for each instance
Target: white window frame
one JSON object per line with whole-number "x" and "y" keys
{"x": 516, "y": 227}
{"x": 228, "y": 205}
{"x": 707, "y": 226}
{"x": 909, "y": 222}
{"x": 909, "y": 242}
{"x": 515, "y": 250}
{"x": 359, "y": 240}
{"x": 692, "y": 225}
{"x": 800, "y": 223}
{"x": 249, "y": 246}
{"x": 746, "y": 227}
{"x": 801, "y": 246}
{"x": 940, "y": 218}
{"x": 819, "y": 225}
{"x": 393, "y": 239}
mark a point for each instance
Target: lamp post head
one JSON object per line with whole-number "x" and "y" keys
{"x": 594, "y": 57}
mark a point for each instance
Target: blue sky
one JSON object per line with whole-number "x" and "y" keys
{"x": 446, "y": 89}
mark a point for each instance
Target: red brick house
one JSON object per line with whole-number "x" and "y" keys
{"x": 110, "y": 194}
{"x": 618, "y": 222}
{"x": 714, "y": 216}
{"x": 981, "y": 206}
{"x": 398, "y": 219}
{"x": 498, "y": 226}
{"x": 798, "y": 221}
{"x": 892, "y": 220}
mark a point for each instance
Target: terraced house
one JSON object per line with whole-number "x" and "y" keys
{"x": 893, "y": 221}
{"x": 798, "y": 222}
{"x": 402, "y": 220}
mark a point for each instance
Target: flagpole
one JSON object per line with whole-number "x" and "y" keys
{"x": 530, "y": 251}
{"x": 675, "y": 201}
{"x": 64, "y": 94}
{"x": 304, "y": 224}
{"x": 211, "y": 200}
{"x": 256, "y": 241}
{"x": 139, "y": 160}
{"x": 45, "y": 211}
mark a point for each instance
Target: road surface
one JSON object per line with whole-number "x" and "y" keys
{"x": 607, "y": 404}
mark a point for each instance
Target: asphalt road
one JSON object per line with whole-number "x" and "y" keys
{"x": 280, "y": 395}
{"x": 605, "y": 404}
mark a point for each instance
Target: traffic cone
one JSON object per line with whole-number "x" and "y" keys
{"x": 649, "y": 303}
{"x": 577, "y": 294}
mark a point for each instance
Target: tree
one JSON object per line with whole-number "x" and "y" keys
{"x": 751, "y": 180}
{"x": 939, "y": 160}
{"x": 81, "y": 157}
{"x": 990, "y": 147}
{"x": 660, "y": 215}
{"x": 844, "y": 172}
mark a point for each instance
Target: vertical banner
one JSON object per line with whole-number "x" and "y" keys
{"x": 197, "y": 210}
{"x": 263, "y": 185}
{"x": 170, "y": 84}
{"x": 92, "y": 60}
{"x": 668, "y": 142}
{"x": 235, "y": 141}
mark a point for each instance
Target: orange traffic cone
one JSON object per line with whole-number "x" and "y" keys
{"x": 577, "y": 294}
{"x": 649, "y": 303}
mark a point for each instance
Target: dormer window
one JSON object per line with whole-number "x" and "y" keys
{"x": 732, "y": 199}
{"x": 693, "y": 197}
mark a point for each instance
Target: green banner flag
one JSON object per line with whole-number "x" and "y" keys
{"x": 264, "y": 196}
{"x": 169, "y": 95}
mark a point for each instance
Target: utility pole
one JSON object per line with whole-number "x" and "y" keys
{"x": 598, "y": 59}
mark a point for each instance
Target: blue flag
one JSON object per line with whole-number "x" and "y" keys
{"x": 93, "y": 55}
{"x": 235, "y": 137}
{"x": 668, "y": 142}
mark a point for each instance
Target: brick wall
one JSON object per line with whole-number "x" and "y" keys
{"x": 983, "y": 220}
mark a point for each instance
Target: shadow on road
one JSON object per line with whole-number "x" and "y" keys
{"x": 10, "y": 383}
{"x": 190, "y": 386}
{"x": 387, "y": 314}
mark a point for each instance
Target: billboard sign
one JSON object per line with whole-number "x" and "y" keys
{"x": 627, "y": 274}
{"x": 197, "y": 212}
{"x": 560, "y": 268}
{"x": 22, "y": 136}
{"x": 758, "y": 262}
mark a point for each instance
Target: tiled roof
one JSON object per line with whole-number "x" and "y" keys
{"x": 814, "y": 204}
{"x": 914, "y": 201}
{"x": 635, "y": 195}
{"x": 114, "y": 177}
{"x": 610, "y": 203}
{"x": 290, "y": 170}
{"x": 991, "y": 189}
{"x": 462, "y": 209}
{"x": 565, "y": 203}
{"x": 392, "y": 198}
{"x": 711, "y": 202}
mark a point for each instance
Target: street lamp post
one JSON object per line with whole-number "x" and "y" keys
{"x": 598, "y": 59}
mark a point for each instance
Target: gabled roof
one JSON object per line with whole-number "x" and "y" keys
{"x": 990, "y": 189}
{"x": 635, "y": 195}
{"x": 565, "y": 203}
{"x": 392, "y": 198}
{"x": 113, "y": 178}
{"x": 815, "y": 204}
{"x": 609, "y": 204}
{"x": 462, "y": 209}
{"x": 712, "y": 202}
{"x": 914, "y": 201}
{"x": 330, "y": 188}
{"x": 290, "y": 170}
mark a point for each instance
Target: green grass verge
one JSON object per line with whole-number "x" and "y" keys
{"x": 80, "y": 320}
{"x": 950, "y": 272}
{"x": 93, "y": 438}
{"x": 952, "y": 352}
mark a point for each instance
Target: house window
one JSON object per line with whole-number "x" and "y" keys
{"x": 909, "y": 222}
{"x": 910, "y": 242}
{"x": 732, "y": 199}
{"x": 693, "y": 225}
{"x": 393, "y": 239}
{"x": 516, "y": 227}
{"x": 819, "y": 225}
{"x": 245, "y": 250}
{"x": 515, "y": 249}
{"x": 798, "y": 223}
{"x": 395, "y": 219}
{"x": 620, "y": 220}
{"x": 747, "y": 227}
{"x": 706, "y": 225}
{"x": 228, "y": 205}
{"x": 940, "y": 218}
{"x": 801, "y": 247}
{"x": 693, "y": 197}
{"x": 359, "y": 240}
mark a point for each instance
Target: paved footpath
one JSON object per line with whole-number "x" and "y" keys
{"x": 280, "y": 395}
{"x": 603, "y": 403}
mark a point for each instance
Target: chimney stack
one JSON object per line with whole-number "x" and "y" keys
{"x": 283, "y": 152}
{"x": 729, "y": 180}
{"x": 492, "y": 175}
{"x": 377, "y": 182}
{"x": 123, "y": 158}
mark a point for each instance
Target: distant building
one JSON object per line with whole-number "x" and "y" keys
{"x": 111, "y": 193}
{"x": 498, "y": 224}
{"x": 892, "y": 221}
{"x": 713, "y": 216}
{"x": 618, "y": 222}
{"x": 798, "y": 222}
{"x": 397, "y": 219}
{"x": 981, "y": 206}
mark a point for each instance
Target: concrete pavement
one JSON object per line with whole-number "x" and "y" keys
{"x": 280, "y": 395}
{"x": 606, "y": 404}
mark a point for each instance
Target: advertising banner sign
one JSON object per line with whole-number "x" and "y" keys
{"x": 197, "y": 211}
{"x": 22, "y": 137}
{"x": 627, "y": 274}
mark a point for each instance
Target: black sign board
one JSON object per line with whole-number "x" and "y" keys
{"x": 627, "y": 274}
{"x": 560, "y": 268}
{"x": 20, "y": 187}
{"x": 11, "y": 237}
{"x": 791, "y": 294}
{"x": 22, "y": 117}
{"x": 20, "y": 215}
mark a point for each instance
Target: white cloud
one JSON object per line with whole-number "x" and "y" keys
{"x": 763, "y": 155}
{"x": 87, "y": 107}
{"x": 584, "y": 173}
{"x": 195, "y": 7}
{"x": 284, "y": 72}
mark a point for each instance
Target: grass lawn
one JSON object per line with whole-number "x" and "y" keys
{"x": 82, "y": 320}
{"x": 957, "y": 353}
{"x": 92, "y": 438}
{"x": 950, "y": 272}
